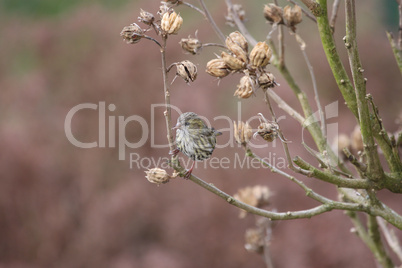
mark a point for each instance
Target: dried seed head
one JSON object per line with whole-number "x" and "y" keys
{"x": 245, "y": 88}
{"x": 238, "y": 39}
{"x": 157, "y": 175}
{"x": 191, "y": 45}
{"x": 232, "y": 62}
{"x": 239, "y": 11}
{"x": 256, "y": 196}
{"x": 132, "y": 34}
{"x": 267, "y": 80}
{"x": 187, "y": 70}
{"x": 238, "y": 45}
{"x": 146, "y": 17}
{"x": 164, "y": 8}
{"x": 268, "y": 131}
{"x": 217, "y": 68}
{"x": 242, "y": 132}
{"x": 255, "y": 238}
{"x": 292, "y": 15}
{"x": 357, "y": 140}
{"x": 260, "y": 55}
{"x": 273, "y": 13}
{"x": 340, "y": 142}
{"x": 171, "y": 22}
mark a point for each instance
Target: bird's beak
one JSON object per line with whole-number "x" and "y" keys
{"x": 176, "y": 126}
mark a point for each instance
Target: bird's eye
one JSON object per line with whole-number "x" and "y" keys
{"x": 186, "y": 123}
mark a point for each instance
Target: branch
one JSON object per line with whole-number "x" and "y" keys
{"x": 194, "y": 7}
{"x": 212, "y": 22}
{"x": 167, "y": 113}
{"x": 286, "y": 107}
{"x": 335, "y": 8}
{"x": 302, "y": 45}
{"x": 395, "y": 50}
{"x": 379, "y": 209}
{"x": 314, "y": 7}
{"x": 330, "y": 178}
{"x": 334, "y": 60}
{"x": 391, "y": 238}
{"x": 309, "y": 192}
{"x": 377, "y": 246}
{"x": 389, "y": 149}
{"x": 301, "y": 214}
{"x": 374, "y": 168}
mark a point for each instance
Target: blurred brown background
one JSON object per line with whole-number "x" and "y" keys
{"x": 63, "y": 206}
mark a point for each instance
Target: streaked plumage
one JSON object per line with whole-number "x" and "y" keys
{"x": 194, "y": 138}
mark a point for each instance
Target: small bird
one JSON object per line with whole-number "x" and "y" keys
{"x": 194, "y": 138}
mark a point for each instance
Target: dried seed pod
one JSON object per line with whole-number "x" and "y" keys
{"x": 171, "y": 22}
{"x": 260, "y": 55}
{"x": 357, "y": 140}
{"x": 187, "y": 70}
{"x": 232, "y": 62}
{"x": 273, "y": 13}
{"x": 255, "y": 240}
{"x": 266, "y": 80}
{"x": 217, "y": 68}
{"x": 164, "y": 8}
{"x": 146, "y": 17}
{"x": 239, "y": 11}
{"x": 192, "y": 45}
{"x": 256, "y": 196}
{"x": 245, "y": 88}
{"x": 292, "y": 15}
{"x": 340, "y": 142}
{"x": 132, "y": 34}
{"x": 238, "y": 45}
{"x": 268, "y": 131}
{"x": 157, "y": 175}
{"x": 242, "y": 132}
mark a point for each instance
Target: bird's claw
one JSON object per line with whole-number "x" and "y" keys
{"x": 174, "y": 152}
{"x": 187, "y": 175}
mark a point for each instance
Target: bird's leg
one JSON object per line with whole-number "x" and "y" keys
{"x": 174, "y": 152}
{"x": 188, "y": 172}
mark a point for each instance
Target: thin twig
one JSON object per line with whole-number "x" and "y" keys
{"x": 212, "y": 22}
{"x": 167, "y": 113}
{"x": 286, "y": 107}
{"x": 335, "y": 8}
{"x": 240, "y": 25}
{"x": 150, "y": 38}
{"x": 302, "y": 45}
{"x": 378, "y": 250}
{"x": 361, "y": 167}
{"x": 270, "y": 107}
{"x": 391, "y": 238}
{"x": 193, "y": 7}
{"x": 214, "y": 45}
